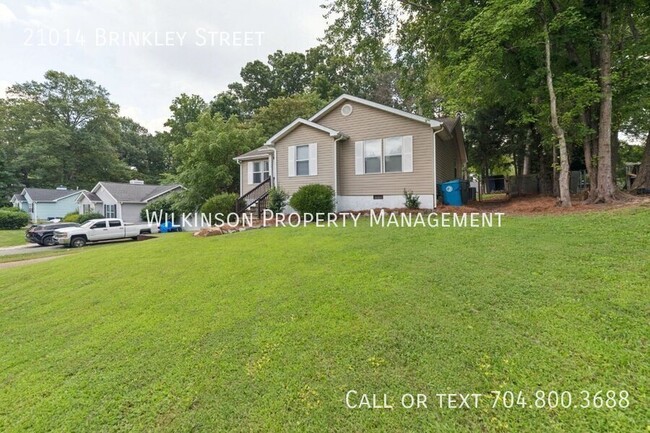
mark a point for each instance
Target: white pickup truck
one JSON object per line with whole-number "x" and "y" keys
{"x": 101, "y": 230}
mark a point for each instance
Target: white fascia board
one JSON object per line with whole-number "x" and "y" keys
{"x": 331, "y": 105}
{"x": 290, "y": 127}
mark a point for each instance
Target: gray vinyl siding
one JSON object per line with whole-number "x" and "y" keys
{"x": 245, "y": 187}
{"x": 325, "y": 158}
{"x": 129, "y": 212}
{"x": 370, "y": 123}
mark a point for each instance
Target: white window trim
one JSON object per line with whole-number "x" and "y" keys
{"x": 312, "y": 160}
{"x": 106, "y": 215}
{"x": 406, "y": 154}
{"x": 261, "y": 171}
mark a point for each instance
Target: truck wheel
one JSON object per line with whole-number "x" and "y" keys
{"x": 48, "y": 241}
{"x": 77, "y": 242}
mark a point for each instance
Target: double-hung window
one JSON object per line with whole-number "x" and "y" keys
{"x": 372, "y": 156}
{"x": 388, "y": 155}
{"x": 110, "y": 211}
{"x": 393, "y": 148}
{"x": 303, "y": 160}
{"x": 260, "y": 171}
{"x": 85, "y": 209}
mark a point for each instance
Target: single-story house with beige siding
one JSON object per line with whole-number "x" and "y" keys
{"x": 367, "y": 152}
{"x": 122, "y": 200}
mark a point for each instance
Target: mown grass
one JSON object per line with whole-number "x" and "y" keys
{"x": 266, "y": 330}
{"x": 10, "y": 238}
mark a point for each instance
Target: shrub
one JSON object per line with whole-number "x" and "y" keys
{"x": 89, "y": 216}
{"x": 72, "y": 217}
{"x": 277, "y": 200}
{"x": 220, "y": 204}
{"x": 13, "y": 220}
{"x": 411, "y": 201}
{"x": 312, "y": 199}
{"x": 170, "y": 205}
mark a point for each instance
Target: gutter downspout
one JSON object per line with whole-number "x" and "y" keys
{"x": 435, "y": 168}
{"x": 275, "y": 166}
{"x": 336, "y": 180}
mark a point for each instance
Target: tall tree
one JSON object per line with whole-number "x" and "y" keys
{"x": 63, "y": 130}
{"x": 205, "y": 158}
{"x": 284, "y": 110}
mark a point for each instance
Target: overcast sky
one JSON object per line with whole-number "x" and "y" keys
{"x": 147, "y": 52}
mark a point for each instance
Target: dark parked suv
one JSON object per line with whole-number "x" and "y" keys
{"x": 44, "y": 234}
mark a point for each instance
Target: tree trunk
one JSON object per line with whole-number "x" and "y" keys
{"x": 642, "y": 181}
{"x": 606, "y": 190}
{"x": 526, "y": 168}
{"x": 590, "y": 151}
{"x": 565, "y": 196}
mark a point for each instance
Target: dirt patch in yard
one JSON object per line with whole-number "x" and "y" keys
{"x": 27, "y": 262}
{"x": 539, "y": 205}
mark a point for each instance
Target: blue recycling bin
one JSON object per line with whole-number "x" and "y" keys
{"x": 452, "y": 194}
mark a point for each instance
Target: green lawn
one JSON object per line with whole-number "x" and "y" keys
{"x": 267, "y": 330}
{"x": 9, "y": 238}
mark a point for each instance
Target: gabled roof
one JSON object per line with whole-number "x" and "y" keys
{"x": 18, "y": 198}
{"x": 49, "y": 195}
{"x": 344, "y": 97}
{"x": 260, "y": 152}
{"x": 296, "y": 123}
{"x": 90, "y": 196}
{"x": 135, "y": 193}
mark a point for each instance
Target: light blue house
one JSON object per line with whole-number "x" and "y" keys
{"x": 46, "y": 204}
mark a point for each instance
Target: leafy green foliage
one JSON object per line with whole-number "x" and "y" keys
{"x": 277, "y": 200}
{"x": 89, "y": 216}
{"x": 205, "y": 158}
{"x": 170, "y": 205}
{"x": 283, "y": 110}
{"x": 220, "y": 204}
{"x": 411, "y": 201}
{"x": 313, "y": 199}
{"x": 72, "y": 217}
{"x": 65, "y": 130}
{"x": 12, "y": 220}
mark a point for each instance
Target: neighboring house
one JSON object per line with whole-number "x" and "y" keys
{"x": 367, "y": 152}
{"x": 122, "y": 200}
{"x": 46, "y": 204}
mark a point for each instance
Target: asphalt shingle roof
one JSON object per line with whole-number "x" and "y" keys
{"x": 42, "y": 194}
{"x": 92, "y": 196}
{"x": 261, "y": 152}
{"x": 126, "y": 192}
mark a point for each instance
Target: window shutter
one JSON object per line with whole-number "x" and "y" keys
{"x": 249, "y": 169}
{"x": 292, "y": 161}
{"x": 407, "y": 154}
{"x": 358, "y": 158}
{"x": 313, "y": 159}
